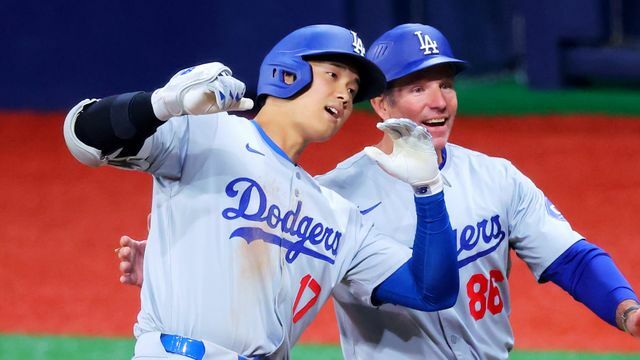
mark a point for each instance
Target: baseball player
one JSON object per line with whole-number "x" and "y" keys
{"x": 493, "y": 208}
{"x": 246, "y": 246}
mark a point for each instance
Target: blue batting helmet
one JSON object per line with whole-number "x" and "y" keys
{"x": 326, "y": 41}
{"x": 408, "y": 48}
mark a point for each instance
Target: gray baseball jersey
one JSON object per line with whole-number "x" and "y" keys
{"x": 245, "y": 246}
{"x": 493, "y": 207}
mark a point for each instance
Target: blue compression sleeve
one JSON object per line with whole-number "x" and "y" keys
{"x": 588, "y": 273}
{"x": 428, "y": 281}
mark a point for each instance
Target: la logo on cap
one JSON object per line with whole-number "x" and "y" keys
{"x": 429, "y": 46}
{"x": 358, "y": 47}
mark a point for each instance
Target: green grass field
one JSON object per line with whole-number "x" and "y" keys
{"x": 92, "y": 348}
{"x": 505, "y": 95}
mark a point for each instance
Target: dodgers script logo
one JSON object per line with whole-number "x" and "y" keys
{"x": 486, "y": 235}
{"x": 314, "y": 238}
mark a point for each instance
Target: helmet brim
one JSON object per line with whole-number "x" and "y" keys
{"x": 457, "y": 65}
{"x": 372, "y": 79}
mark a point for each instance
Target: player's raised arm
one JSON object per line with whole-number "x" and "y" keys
{"x": 98, "y": 130}
{"x": 429, "y": 279}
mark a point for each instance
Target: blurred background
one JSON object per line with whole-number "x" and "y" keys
{"x": 554, "y": 86}
{"x": 57, "y": 52}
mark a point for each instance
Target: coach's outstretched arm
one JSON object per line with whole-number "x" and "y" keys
{"x": 588, "y": 273}
{"x": 101, "y": 131}
{"x": 429, "y": 280}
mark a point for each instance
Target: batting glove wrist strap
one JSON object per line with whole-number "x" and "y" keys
{"x": 414, "y": 159}
{"x": 430, "y": 187}
{"x": 199, "y": 90}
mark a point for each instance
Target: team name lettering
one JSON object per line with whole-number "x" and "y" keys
{"x": 253, "y": 205}
{"x": 487, "y": 235}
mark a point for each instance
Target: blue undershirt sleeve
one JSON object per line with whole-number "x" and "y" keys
{"x": 429, "y": 280}
{"x": 588, "y": 273}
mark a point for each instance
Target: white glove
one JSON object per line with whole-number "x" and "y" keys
{"x": 414, "y": 159}
{"x": 198, "y": 90}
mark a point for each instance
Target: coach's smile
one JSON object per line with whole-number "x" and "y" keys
{"x": 435, "y": 122}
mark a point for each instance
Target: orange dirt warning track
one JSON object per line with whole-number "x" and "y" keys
{"x": 61, "y": 222}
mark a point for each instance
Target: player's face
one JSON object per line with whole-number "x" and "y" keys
{"x": 328, "y": 103}
{"x": 427, "y": 97}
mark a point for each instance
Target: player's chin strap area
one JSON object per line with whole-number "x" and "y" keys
{"x": 196, "y": 349}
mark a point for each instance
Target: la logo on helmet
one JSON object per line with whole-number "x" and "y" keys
{"x": 358, "y": 47}
{"x": 429, "y": 46}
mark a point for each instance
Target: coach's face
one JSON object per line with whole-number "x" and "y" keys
{"x": 427, "y": 97}
{"x": 328, "y": 102}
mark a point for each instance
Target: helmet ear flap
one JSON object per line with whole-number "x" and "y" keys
{"x": 284, "y": 80}
{"x": 285, "y": 77}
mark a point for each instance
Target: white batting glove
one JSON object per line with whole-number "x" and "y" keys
{"x": 414, "y": 159}
{"x": 203, "y": 89}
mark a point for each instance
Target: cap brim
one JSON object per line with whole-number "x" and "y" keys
{"x": 372, "y": 80}
{"x": 458, "y": 66}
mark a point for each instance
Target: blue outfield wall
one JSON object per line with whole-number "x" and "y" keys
{"x": 56, "y": 52}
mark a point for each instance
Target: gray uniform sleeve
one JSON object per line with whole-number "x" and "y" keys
{"x": 375, "y": 259}
{"x": 538, "y": 231}
{"x": 166, "y": 151}
{"x": 167, "y": 148}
